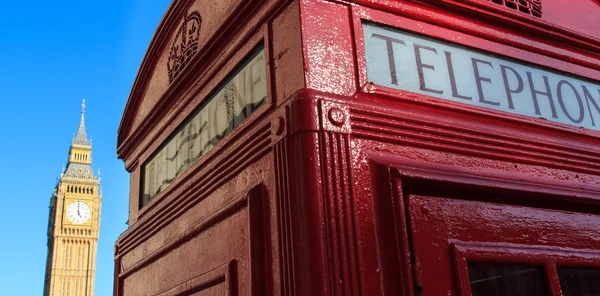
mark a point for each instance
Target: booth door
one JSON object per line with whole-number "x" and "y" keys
{"x": 466, "y": 247}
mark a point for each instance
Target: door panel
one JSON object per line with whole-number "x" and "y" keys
{"x": 474, "y": 248}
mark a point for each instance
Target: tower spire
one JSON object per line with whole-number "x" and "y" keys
{"x": 81, "y": 137}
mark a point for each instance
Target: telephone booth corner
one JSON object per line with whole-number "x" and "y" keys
{"x": 366, "y": 147}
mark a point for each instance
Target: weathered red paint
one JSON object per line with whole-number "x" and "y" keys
{"x": 342, "y": 187}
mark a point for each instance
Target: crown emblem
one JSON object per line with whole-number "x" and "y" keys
{"x": 185, "y": 44}
{"x": 531, "y": 7}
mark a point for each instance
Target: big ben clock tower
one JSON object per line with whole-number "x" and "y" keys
{"x": 73, "y": 223}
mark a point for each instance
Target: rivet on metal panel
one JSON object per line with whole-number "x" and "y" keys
{"x": 278, "y": 126}
{"x": 337, "y": 116}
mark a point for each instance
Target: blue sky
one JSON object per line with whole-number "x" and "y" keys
{"x": 53, "y": 54}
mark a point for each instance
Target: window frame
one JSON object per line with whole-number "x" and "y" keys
{"x": 547, "y": 257}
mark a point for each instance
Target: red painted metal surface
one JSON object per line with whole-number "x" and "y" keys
{"x": 446, "y": 239}
{"x": 339, "y": 186}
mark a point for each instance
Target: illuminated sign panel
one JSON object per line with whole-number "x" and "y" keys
{"x": 432, "y": 67}
{"x": 236, "y": 100}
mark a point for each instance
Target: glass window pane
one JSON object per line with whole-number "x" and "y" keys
{"x": 491, "y": 279}
{"x": 579, "y": 281}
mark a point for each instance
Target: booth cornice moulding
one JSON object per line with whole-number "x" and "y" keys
{"x": 490, "y": 13}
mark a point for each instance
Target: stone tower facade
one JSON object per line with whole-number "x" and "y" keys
{"x": 74, "y": 223}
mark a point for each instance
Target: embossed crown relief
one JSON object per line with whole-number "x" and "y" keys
{"x": 185, "y": 44}
{"x": 531, "y": 7}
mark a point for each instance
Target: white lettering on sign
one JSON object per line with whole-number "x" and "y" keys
{"x": 241, "y": 96}
{"x": 422, "y": 65}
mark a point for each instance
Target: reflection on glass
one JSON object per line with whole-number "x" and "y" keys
{"x": 579, "y": 281}
{"x": 491, "y": 279}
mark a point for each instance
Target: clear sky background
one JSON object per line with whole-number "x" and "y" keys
{"x": 53, "y": 54}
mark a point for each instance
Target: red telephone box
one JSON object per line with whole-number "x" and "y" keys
{"x": 366, "y": 147}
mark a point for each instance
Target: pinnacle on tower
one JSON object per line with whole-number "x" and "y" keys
{"x": 81, "y": 137}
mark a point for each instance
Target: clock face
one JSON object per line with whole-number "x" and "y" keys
{"x": 78, "y": 212}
